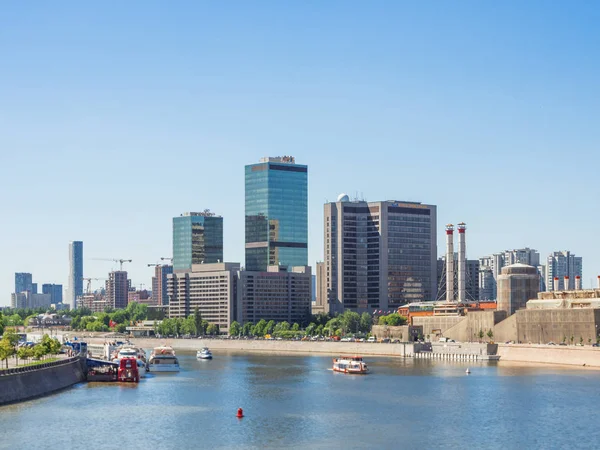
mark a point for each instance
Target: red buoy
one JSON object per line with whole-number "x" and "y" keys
{"x": 240, "y": 413}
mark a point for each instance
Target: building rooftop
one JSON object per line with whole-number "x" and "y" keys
{"x": 279, "y": 159}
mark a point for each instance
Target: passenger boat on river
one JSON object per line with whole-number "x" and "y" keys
{"x": 352, "y": 365}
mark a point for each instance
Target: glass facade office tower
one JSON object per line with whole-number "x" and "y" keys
{"x": 55, "y": 291}
{"x": 23, "y": 282}
{"x": 75, "y": 272}
{"x": 276, "y": 214}
{"x": 197, "y": 239}
{"x": 379, "y": 255}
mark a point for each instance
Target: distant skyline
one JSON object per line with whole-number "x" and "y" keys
{"x": 116, "y": 118}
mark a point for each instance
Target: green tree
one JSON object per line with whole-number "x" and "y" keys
{"x": 572, "y": 338}
{"x": 247, "y": 328}
{"x": 235, "y": 328}
{"x": 259, "y": 328}
{"x": 366, "y": 322}
{"x": 382, "y": 320}
{"x": 212, "y": 329}
{"x": 320, "y": 330}
{"x": 321, "y": 319}
{"x": 198, "y": 322}
{"x": 481, "y": 334}
{"x": 350, "y": 322}
{"x": 6, "y": 350}
{"x": 121, "y": 328}
{"x": 296, "y": 327}
{"x": 1, "y": 324}
{"x": 270, "y": 328}
{"x": 490, "y": 334}
{"x": 39, "y": 351}
{"x": 581, "y": 340}
{"x": 24, "y": 353}
{"x": 119, "y": 316}
{"x": 15, "y": 320}
{"x": 11, "y": 336}
{"x": 310, "y": 329}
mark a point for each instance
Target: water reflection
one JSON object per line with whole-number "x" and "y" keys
{"x": 297, "y": 401}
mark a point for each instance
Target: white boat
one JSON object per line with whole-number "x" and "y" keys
{"x": 163, "y": 359}
{"x": 204, "y": 354}
{"x": 353, "y": 365}
{"x": 132, "y": 352}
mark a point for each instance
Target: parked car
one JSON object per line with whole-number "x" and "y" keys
{"x": 596, "y": 345}
{"x": 372, "y": 339}
{"x": 550, "y": 343}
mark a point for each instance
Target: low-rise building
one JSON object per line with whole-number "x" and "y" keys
{"x": 212, "y": 288}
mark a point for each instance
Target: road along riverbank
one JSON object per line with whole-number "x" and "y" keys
{"x": 551, "y": 354}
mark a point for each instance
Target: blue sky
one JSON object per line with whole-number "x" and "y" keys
{"x": 116, "y": 117}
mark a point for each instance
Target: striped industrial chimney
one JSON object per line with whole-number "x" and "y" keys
{"x": 450, "y": 263}
{"x": 462, "y": 263}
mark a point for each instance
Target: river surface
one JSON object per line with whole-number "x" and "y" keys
{"x": 298, "y": 402}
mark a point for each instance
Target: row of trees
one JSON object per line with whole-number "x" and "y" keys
{"x": 119, "y": 319}
{"x": 192, "y": 325}
{"x": 10, "y": 339}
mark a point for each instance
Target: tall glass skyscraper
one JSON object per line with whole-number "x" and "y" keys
{"x": 197, "y": 239}
{"x": 75, "y": 272}
{"x": 276, "y": 213}
{"x": 23, "y": 282}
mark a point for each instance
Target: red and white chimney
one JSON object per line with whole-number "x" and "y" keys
{"x": 566, "y": 283}
{"x": 577, "y": 283}
{"x": 462, "y": 263}
{"x": 598, "y": 285}
{"x": 450, "y": 263}
{"x": 556, "y": 286}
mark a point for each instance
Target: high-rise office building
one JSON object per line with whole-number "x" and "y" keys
{"x": 560, "y": 265}
{"x": 34, "y": 289}
{"x": 159, "y": 284}
{"x": 23, "y": 282}
{"x": 75, "y": 272}
{"x": 55, "y": 291}
{"x": 117, "y": 289}
{"x": 276, "y": 213}
{"x": 197, "y": 239}
{"x": 379, "y": 255}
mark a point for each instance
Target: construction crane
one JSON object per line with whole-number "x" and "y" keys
{"x": 120, "y": 261}
{"x": 166, "y": 259}
{"x": 88, "y": 289}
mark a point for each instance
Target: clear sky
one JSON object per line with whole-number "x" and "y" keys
{"x": 117, "y": 116}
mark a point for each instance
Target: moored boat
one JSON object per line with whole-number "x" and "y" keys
{"x": 128, "y": 370}
{"x": 132, "y": 352}
{"x": 163, "y": 359}
{"x": 353, "y": 365}
{"x": 204, "y": 354}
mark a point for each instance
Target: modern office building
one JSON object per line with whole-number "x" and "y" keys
{"x": 560, "y": 265}
{"x": 117, "y": 289}
{"x": 471, "y": 279}
{"x": 197, "y": 239}
{"x": 159, "y": 284}
{"x": 517, "y": 284}
{"x": 34, "y": 288}
{"x": 55, "y": 291}
{"x": 75, "y": 272}
{"x": 276, "y": 213}
{"x": 212, "y": 288}
{"x": 379, "y": 255}
{"x": 278, "y": 294}
{"x": 23, "y": 282}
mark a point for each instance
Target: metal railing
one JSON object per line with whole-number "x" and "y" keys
{"x": 32, "y": 368}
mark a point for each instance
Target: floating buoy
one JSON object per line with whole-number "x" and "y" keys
{"x": 240, "y": 413}
{"x": 468, "y": 371}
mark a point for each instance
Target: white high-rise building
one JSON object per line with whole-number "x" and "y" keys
{"x": 493, "y": 265}
{"x": 563, "y": 264}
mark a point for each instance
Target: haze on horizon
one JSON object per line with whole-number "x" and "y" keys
{"x": 115, "y": 118}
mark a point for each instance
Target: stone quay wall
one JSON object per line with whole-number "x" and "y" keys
{"x": 19, "y": 384}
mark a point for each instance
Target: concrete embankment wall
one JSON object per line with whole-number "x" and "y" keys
{"x": 17, "y": 387}
{"x": 332, "y": 348}
{"x": 569, "y": 355}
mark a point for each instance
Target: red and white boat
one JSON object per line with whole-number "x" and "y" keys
{"x": 353, "y": 365}
{"x": 128, "y": 370}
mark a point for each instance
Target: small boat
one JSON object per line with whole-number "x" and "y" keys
{"x": 353, "y": 365}
{"x": 163, "y": 359}
{"x": 128, "y": 370}
{"x": 204, "y": 354}
{"x": 468, "y": 371}
{"x": 132, "y": 352}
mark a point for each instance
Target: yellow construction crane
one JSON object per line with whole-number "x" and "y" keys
{"x": 120, "y": 261}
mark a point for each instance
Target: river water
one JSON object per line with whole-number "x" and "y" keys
{"x": 297, "y": 402}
